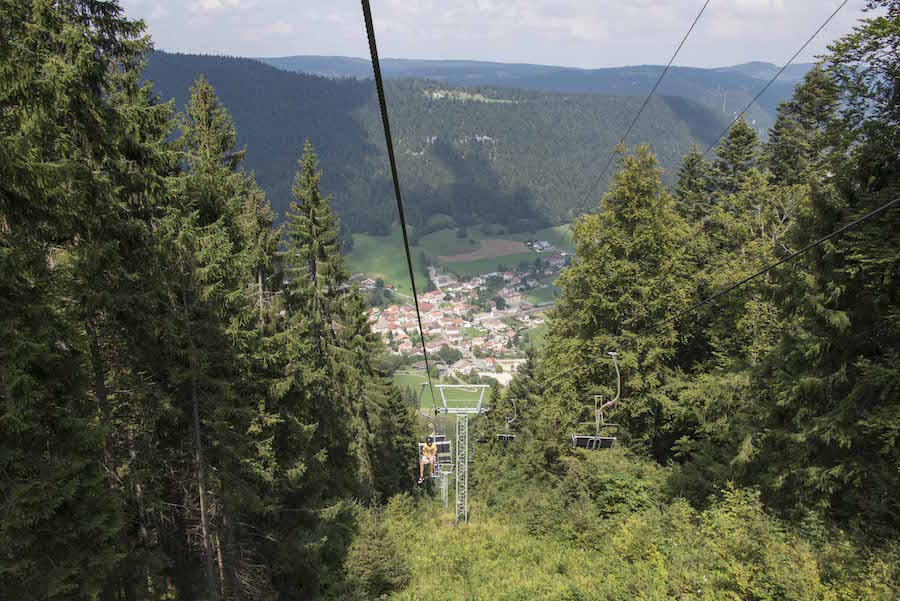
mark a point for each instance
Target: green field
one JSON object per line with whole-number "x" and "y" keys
{"x": 383, "y": 256}
{"x": 472, "y": 268}
{"x": 536, "y": 335}
{"x": 541, "y": 296}
{"x": 415, "y": 380}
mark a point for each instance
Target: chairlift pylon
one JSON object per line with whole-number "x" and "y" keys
{"x": 596, "y": 441}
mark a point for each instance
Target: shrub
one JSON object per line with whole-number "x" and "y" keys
{"x": 374, "y": 566}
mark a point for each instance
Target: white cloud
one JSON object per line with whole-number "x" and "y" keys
{"x": 208, "y": 6}
{"x": 280, "y": 27}
{"x": 582, "y": 33}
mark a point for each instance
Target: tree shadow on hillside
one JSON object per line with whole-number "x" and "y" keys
{"x": 475, "y": 195}
{"x": 697, "y": 117}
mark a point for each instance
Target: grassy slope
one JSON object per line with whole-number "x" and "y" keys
{"x": 536, "y": 335}
{"x": 541, "y": 296}
{"x": 488, "y": 559}
{"x": 414, "y": 381}
{"x": 609, "y": 531}
{"x": 384, "y": 255}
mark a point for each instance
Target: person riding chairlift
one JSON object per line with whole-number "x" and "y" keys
{"x": 429, "y": 454}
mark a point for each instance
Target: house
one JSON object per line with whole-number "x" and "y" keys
{"x": 511, "y": 297}
{"x": 462, "y": 365}
{"x": 494, "y": 325}
{"x": 425, "y": 307}
{"x": 367, "y": 284}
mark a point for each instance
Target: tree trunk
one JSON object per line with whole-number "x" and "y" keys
{"x": 142, "y": 513}
{"x": 262, "y": 320}
{"x": 198, "y": 458}
{"x": 222, "y": 589}
{"x": 201, "y": 487}
{"x": 230, "y": 555}
{"x": 99, "y": 368}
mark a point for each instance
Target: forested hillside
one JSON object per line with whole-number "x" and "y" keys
{"x": 725, "y": 90}
{"x": 491, "y": 155}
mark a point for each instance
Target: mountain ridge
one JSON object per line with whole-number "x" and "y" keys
{"x": 728, "y": 89}
{"x": 521, "y": 158}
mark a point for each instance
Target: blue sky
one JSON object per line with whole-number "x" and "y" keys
{"x": 576, "y": 33}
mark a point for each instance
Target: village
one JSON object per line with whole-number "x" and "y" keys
{"x": 478, "y": 324}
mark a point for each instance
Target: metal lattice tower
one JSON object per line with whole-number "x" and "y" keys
{"x": 462, "y": 408}
{"x": 462, "y": 467}
{"x": 445, "y": 489}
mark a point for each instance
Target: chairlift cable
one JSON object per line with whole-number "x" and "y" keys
{"x": 741, "y": 114}
{"x": 636, "y": 117}
{"x": 771, "y": 81}
{"x": 738, "y": 284}
{"x": 376, "y": 68}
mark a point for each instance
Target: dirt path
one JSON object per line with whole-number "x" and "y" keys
{"x": 489, "y": 249}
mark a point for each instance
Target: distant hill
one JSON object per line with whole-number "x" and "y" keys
{"x": 725, "y": 89}
{"x": 521, "y": 158}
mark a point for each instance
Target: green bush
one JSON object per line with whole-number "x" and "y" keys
{"x": 374, "y": 566}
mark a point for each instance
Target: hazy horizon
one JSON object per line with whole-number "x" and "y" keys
{"x": 573, "y": 33}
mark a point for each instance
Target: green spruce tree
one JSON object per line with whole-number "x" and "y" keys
{"x": 630, "y": 273}
{"x": 737, "y": 154}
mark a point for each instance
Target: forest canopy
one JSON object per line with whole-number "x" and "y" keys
{"x": 523, "y": 159}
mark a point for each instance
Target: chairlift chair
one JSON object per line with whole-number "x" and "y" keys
{"x": 444, "y": 454}
{"x": 598, "y": 440}
{"x": 444, "y": 461}
{"x": 509, "y": 436}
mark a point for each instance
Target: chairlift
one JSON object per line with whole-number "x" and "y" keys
{"x": 598, "y": 440}
{"x": 444, "y": 456}
{"x": 509, "y": 436}
{"x": 444, "y": 460}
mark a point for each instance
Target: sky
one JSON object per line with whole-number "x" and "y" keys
{"x": 572, "y": 33}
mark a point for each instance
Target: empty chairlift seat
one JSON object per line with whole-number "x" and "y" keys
{"x": 601, "y": 437}
{"x": 593, "y": 443}
{"x": 509, "y": 435}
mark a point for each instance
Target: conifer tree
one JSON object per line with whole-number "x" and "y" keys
{"x": 830, "y": 442}
{"x": 631, "y": 270}
{"x": 735, "y": 157}
{"x": 693, "y": 187}
{"x": 211, "y": 266}
{"x": 71, "y": 117}
{"x": 803, "y": 130}
{"x": 314, "y": 265}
